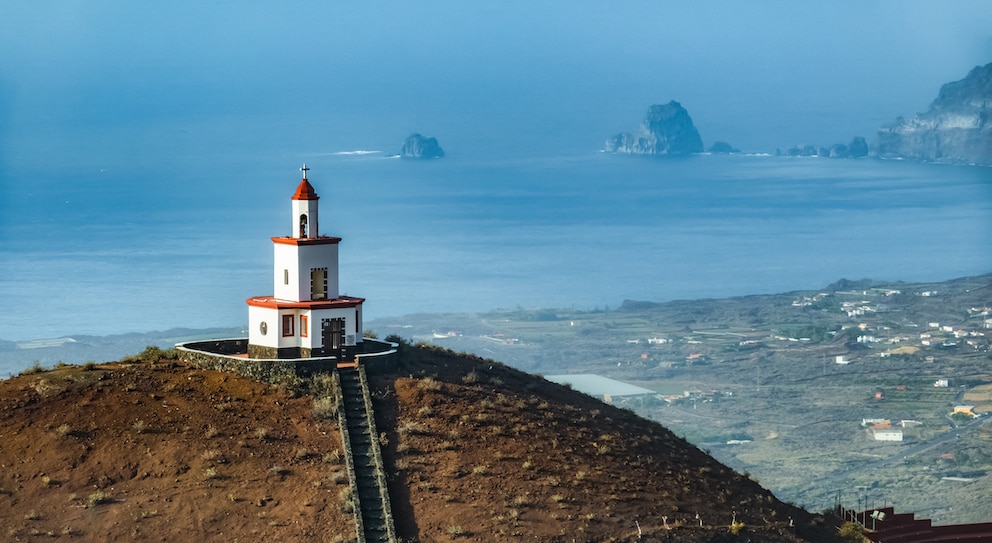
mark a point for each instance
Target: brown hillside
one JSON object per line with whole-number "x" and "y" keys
{"x": 156, "y": 451}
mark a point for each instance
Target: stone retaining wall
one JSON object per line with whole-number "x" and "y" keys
{"x": 230, "y": 355}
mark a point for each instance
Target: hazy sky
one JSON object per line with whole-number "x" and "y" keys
{"x": 120, "y": 119}
{"x": 564, "y": 74}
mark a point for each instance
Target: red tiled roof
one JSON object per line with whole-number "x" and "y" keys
{"x": 322, "y": 240}
{"x": 275, "y": 303}
{"x": 305, "y": 192}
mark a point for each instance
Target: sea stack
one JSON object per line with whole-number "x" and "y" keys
{"x": 419, "y": 147}
{"x": 666, "y": 130}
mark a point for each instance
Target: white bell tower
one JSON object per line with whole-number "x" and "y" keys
{"x": 306, "y": 316}
{"x": 305, "y": 209}
{"x": 305, "y": 264}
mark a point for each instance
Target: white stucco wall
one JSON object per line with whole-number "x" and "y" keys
{"x": 258, "y": 315}
{"x": 284, "y": 258}
{"x": 309, "y": 340}
{"x": 274, "y": 337}
{"x": 308, "y": 208}
{"x": 360, "y": 326}
{"x": 299, "y": 260}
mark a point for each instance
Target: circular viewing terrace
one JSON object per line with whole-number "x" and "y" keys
{"x": 232, "y": 355}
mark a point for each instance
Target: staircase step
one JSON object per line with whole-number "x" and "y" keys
{"x": 366, "y": 473}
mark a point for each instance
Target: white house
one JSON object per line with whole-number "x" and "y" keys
{"x": 887, "y": 435}
{"x": 306, "y": 316}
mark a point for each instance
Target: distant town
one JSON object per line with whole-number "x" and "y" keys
{"x": 880, "y": 387}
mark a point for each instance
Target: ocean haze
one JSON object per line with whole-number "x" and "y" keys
{"x": 147, "y": 153}
{"x": 760, "y": 75}
{"x": 583, "y": 230}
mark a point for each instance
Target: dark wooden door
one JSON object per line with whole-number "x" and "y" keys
{"x": 332, "y": 335}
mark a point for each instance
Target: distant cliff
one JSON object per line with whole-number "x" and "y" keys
{"x": 956, "y": 128}
{"x": 417, "y": 146}
{"x": 666, "y": 130}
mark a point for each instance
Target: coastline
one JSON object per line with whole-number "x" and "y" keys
{"x": 20, "y": 354}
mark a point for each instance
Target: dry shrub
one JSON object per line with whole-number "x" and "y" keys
{"x": 98, "y": 498}
{"x": 325, "y": 408}
{"x": 333, "y": 457}
{"x": 429, "y": 384}
{"x": 414, "y": 428}
{"x": 302, "y": 453}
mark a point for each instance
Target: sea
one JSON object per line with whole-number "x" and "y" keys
{"x": 107, "y": 247}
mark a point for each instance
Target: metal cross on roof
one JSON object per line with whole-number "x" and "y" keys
{"x": 304, "y": 169}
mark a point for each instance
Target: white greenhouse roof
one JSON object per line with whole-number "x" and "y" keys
{"x": 599, "y": 386}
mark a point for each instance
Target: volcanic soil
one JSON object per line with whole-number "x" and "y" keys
{"x": 150, "y": 449}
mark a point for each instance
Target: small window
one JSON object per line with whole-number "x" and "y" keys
{"x": 285, "y": 277}
{"x": 287, "y": 326}
{"x": 304, "y": 328}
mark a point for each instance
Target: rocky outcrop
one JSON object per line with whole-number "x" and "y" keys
{"x": 858, "y": 148}
{"x": 666, "y": 130}
{"x": 417, "y": 146}
{"x": 723, "y": 148}
{"x": 956, "y": 128}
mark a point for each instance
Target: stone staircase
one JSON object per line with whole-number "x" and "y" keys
{"x": 368, "y": 477}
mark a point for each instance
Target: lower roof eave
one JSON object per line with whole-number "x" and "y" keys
{"x": 271, "y": 302}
